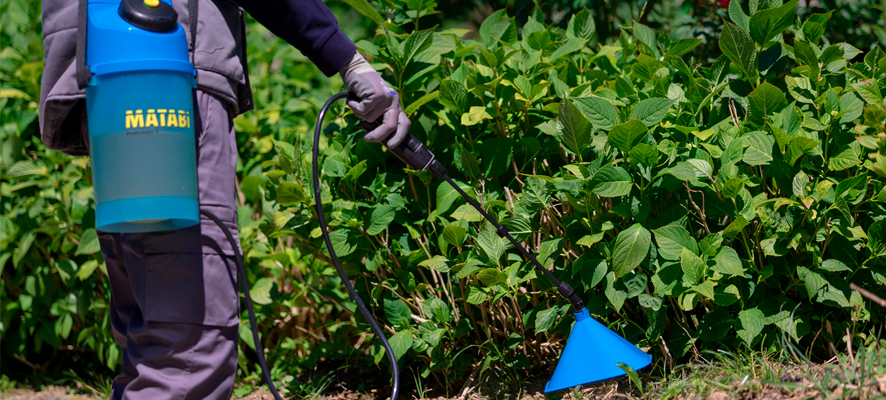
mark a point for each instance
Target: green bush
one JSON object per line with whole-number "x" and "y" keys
{"x": 708, "y": 204}
{"x": 695, "y": 201}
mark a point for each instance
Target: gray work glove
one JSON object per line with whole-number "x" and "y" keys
{"x": 370, "y": 98}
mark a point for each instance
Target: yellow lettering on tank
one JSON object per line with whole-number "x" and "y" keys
{"x": 162, "y": 116}
{"x": 182, "y": 119}
{"x": 134, "y": 120}
{"x": 151, "y": 119}
{"x": 172, "y": 120}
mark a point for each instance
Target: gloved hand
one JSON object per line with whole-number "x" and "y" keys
{"x": 370, "y": 98}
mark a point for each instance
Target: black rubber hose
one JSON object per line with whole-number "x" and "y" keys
{"x": 244, "y": 284}
{"x": 395, "y": 370}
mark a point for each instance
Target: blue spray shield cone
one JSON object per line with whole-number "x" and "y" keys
{"x": 139, "y": 106}
{"x": 592, "y": 354}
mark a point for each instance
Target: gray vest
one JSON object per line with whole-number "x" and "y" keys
{"x": 216, "y": 39}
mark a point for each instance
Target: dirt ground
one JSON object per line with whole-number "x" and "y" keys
{"x": 792, "y": 385}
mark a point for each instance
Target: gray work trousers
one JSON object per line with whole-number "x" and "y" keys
{"x": 174, "y": 300}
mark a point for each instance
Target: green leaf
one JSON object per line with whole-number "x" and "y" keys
{"x": 454, "y": 235}
{"x": 437, "y": 263}
{"x": 632, "y": 374}
{"x": 646, "y": 35}
{"x": 25, "y": 168}
{"x": 416, "y": 43}
{"x": 615, "y": 296}
{"x": 63, "y": 326}
{"x": 735, "y": 227}
{"x": 341, "y": 243}
{"x": 468, "y": 213}
{"x": 692, "y": 265}
{"x": 545, "y": 319}
{"x": 812, "y": 31}
{"x": 453, "y": 96}
{"x": 612, "y": 181}
{"x": 651, "y": 111}
{"x": 571, "y": 46}
{"x": 751, "y": 324}
{"x": 705, "y": 289}
{"x": 476, "y": 295}
{"x": 420, "y": 102}
{"x": 767, "y": 24}
{"x": 631, "y": 248}
{"x": 260, "y": 292}
{"x": 536, "y": 193}
{"x": 474, "y": 116}
{"x": 728, "y": 263}
{"x": 672, "y": 240}
{"x": 765, "y": 100}
{"x": 573, "y": 128}
{"x": 86, "y": 270}
{"x": 737, "y": 15}
{"x": 627, "y": 135}
{"x": 380, "y": 219}
{"x": 437, "y": 310}
{"x": 834, "y": 265}
{"x": 702, "y": 168}
{"x": 644, "y": 154}
{"x": 601, "y": 113}
{"x": 446, "y": 195}
{"x": 467, "y": 162}
{"x": 491, "y": 243}
{"x": 846, "y": 157}
{"x": 401, "y": 343}
{"x": 869, "y": 90}
{"x": 831, "y": 54}
{"x": 581, "y": 25}
{"x": 363, "y": 7}
{"x": 681, "y": 170}
{"x": 290, "y": 194}
{"x": 355, "y": 172}
{"x": 397, "y": 312}
{"x": 635, "y": 284}
{"x": 759, "y": 151}
{"x": 88, "y": 243}
{"x": 804, "y": 53}
{"x": 812, "y": 280}
{"x": 646, "y": 68}
{"x": 492, "y": 277}
{"x": 498, "y": 27}
{"x": 798, "y": 147}
{"x": 682, "y": 47}
{"x": 715, "y": 325}
{"x": 739, "y": 47}
{"x": 877, "y": 238}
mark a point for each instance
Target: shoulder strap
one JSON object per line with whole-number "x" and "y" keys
{"x": 192, "y": 24}
{"x": 83, "y": 72}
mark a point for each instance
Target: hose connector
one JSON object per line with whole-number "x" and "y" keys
{"x": 569, "y": 293}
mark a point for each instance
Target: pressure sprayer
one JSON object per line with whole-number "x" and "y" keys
{"x": 139, "y": 103}
{"x": 139, "y": 106}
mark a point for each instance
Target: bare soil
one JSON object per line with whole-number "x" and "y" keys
{"x": 792, "y": 385}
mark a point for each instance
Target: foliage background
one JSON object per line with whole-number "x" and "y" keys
{"x": 702, "y": 179}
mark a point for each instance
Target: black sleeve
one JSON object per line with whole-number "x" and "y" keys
{"x": 309, "y": 26}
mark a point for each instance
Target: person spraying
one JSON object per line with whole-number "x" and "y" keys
{"x": 174, "y": 312}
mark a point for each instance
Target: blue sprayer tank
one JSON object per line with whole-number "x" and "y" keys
{"x": 139, "y": 106}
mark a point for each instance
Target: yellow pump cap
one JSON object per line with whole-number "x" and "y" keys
{"x": 152, "y": 3}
